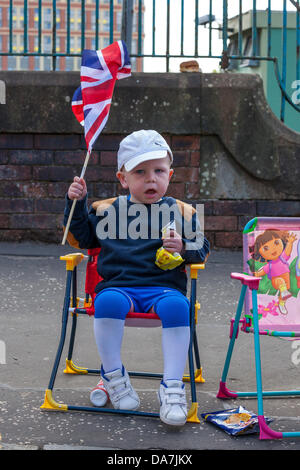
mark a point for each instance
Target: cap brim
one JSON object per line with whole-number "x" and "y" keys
{"x": 145, "y": 157}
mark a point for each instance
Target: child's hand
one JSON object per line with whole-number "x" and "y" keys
{"x": 172, "y": 242}
{"x": 78, "y": 189}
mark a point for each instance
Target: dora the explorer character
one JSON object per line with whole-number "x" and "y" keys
{"x": 275, "y": 247}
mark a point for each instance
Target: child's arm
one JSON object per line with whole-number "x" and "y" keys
{"x": 82, "y": 231}
{"x": 196, "y": 248}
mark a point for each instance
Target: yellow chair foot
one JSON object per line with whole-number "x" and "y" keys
{"x": 192, "y": 416}
{"x": 51, "y": 404}
{"x": 198, "y": 377}
{"x": 72, "y": 369}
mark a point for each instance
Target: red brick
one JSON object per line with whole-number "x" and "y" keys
{"x": 4, "y": 221}
{"x": 31, "y": 157}
{"x": 211, "y": 238}
{"x": 103, "y": 190}
{"x": 181, "y": 158}
{"x": 234, "y": 207}
{"x": 58, "y": 189}
{"x": 189, "y": 142}
{"x": 195, "y": 158}
{"x": 55, "y": 173}
{"x": 34, "y": 190}
{"x": 15, "y": 172}
{"x": 106, "y": 142}
{"x": 33, "y": 221}
{"x": 3, "y": 157}
{"x": 74, "y": 157}
{"x": 192, "y": 190}
{"x": 186, "y": 174}
{"x": 50, "y": 205}
{"x": 16, "y": 205}
{"x": 231, "y": 240}
{"x": 109, "y": 159}
{"x": 16, "y": 141}
{"x": 107, "y": 174}
{"x": 219, "y": 222}
{"x": 11, "y": 235}
{"x": 55, "y": 142}
{"x": 176, "y": 190}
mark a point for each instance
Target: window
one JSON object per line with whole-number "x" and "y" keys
{"x": 24, "y": 63}
{"x": 75, "y": 19}
{"x": 248, "y": 52}
{"x": 233, "y": 50}
{"x": 11, "y": 63}
{"x": 47, "y": 18}
{"x": 47, "y": 44}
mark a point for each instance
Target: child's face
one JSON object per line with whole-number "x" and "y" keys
{"x": 272, "y": 249}
{"x": 148, "y": 181}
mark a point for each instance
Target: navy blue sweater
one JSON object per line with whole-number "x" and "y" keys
{"x": 127, "y": 256}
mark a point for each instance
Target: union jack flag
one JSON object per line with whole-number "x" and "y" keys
{"x": 92, "y": 100}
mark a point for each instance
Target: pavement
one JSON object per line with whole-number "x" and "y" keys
{"x": 33, "y": 283}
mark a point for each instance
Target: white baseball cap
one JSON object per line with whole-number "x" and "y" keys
{"x": 141, "y": 146}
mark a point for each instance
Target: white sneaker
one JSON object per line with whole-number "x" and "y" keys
{"x": 119, "y": 388}
{"x": 173, "y": 406}
{"x": 99, "y": 396}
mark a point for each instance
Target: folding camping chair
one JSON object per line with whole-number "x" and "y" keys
{"x": 271, "y": 302}
{"x": 72, "y": 306}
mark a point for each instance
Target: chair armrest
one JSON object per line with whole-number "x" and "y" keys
{"x": 251, "y": 281}
{"x": 194, "y": 269}
{"x": 72, "y": 260}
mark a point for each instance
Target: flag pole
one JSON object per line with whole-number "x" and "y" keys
{"x": 75, "y": 200}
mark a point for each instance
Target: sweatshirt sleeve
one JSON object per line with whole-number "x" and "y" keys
{"x": 196, "y": 245}
{"x": 82, "y": 231}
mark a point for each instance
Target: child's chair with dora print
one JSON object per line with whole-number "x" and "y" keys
{"x": 75, "y": 306}
{"x": 270, "y": 299}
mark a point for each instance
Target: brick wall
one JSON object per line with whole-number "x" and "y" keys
{"x": 230, "y": 152}
{"x": 36, "y": 170}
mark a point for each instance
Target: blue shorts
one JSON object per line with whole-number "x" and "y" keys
{"x": 169, "y": 304}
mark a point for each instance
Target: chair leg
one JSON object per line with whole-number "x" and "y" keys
{"x": 223, "y": 391}
{"x": 49, "y": 402}
{"x": 192, "y": 414}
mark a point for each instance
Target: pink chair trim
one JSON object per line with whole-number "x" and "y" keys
{"x": 250, "y": 281}
{"x": 224, "y": 392}
{"x": 266, "y": 432}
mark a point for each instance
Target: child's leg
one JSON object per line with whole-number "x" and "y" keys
{"x": 111, "y": 308}
{"x": 173, "y": 310}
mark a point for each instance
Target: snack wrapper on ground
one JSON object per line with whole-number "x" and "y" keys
{"x": 236, "y": 421}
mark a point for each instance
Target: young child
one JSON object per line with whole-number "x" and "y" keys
{"x": 132, "y": 281}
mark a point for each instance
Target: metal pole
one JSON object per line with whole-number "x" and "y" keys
{"x": 127, "y": 15}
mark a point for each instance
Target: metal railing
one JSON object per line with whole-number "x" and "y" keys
{"x": 24, "y": 25}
